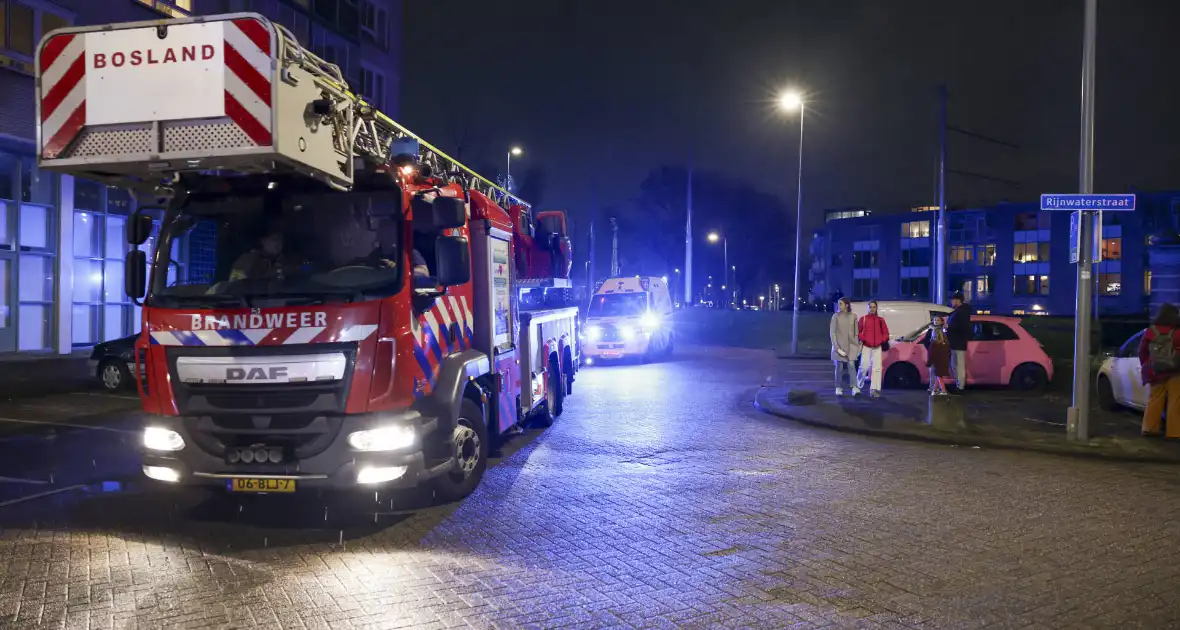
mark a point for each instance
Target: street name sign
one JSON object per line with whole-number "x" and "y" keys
{"x": 1105, "y": 203}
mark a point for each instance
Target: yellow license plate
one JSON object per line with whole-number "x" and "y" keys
{"x": 261, "y": 485}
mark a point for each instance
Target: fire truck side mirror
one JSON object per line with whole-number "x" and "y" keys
{"x": 139, "y": 229}
{"x": 453, "y": 260}
{"x": 135, "y": 274}
{"x": 449, "y": 213}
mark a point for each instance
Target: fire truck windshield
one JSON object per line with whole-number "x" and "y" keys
{"x": 311, "y": 253}
{"x": 618, "y": 305}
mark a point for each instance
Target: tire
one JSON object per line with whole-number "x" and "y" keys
{"x": 1028, "y": 377}
{"x": 902, "y": 376}
{"x": 114, "y": 375}
{"x": 469, "y": 441}
{"x": 556, "y": 388}
{"x": 1105, "y": 393}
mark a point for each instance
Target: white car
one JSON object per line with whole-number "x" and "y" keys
{"x": 1120, "y": 383}
{"x": 903, "y": 317}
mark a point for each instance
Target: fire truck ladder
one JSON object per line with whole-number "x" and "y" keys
{"x": 360, "y": 131}
{"x": 315, "y": 125}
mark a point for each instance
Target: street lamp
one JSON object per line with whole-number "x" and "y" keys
{"x": 713, "y": 238}
{"x": 517, "y": 151}
{"x": 789, "y": 102}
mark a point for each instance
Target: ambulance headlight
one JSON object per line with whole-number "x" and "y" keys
{"x": 594, "y": 333}
{"x": 650, "y": 321}
{"x": 628, "y": 332}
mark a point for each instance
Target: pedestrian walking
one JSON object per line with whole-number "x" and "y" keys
{"x": 1159, "y": 361}
{"x": 938, "y": 356}
{"x": 958, "y": 333}
{"x": 873, "y": 333}
{"x": 845, "y": 346}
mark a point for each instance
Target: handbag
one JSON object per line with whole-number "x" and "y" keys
{"x": 884, "y": 344}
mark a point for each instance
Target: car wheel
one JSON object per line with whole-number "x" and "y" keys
{"x": 902, "y": 376}
{"x": 114, "y": 375}
{"x": 469, "y": 444}
{"x": 1106, "y": 394}
{"x": 1028, "y": 377}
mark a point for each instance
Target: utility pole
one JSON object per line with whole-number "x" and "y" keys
{"x": 798, "y": 237}
{"x": 941, "y": 239}
{"x": 940, "y": 279}
{"x": 1078, "y": 417}
{"x": 614, "y": 248}
{"x": 687, "y": 299}
{"x": 590, "y": 261}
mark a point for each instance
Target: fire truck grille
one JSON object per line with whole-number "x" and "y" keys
{"x": 218, "y": 400}
{"x": 283, "y": 438}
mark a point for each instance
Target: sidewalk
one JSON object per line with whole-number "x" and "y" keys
{"x": 995, "y": 419}
{"x": 23, "y": 375}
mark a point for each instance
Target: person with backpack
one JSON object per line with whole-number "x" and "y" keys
{"x": 1159, "y": 360}
{"x": 873, "y": 334}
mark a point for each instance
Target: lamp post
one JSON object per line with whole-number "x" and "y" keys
{"x": 517, "y": 151}
{"x": 790, "y": 101}
{"x": 713, "y": 238}
{"x": 676, "y": 297}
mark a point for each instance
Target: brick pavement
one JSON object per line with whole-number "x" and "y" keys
{"x": 660, "y": 499}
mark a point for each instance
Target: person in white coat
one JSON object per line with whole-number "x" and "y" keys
{"x": 845, "y": 346}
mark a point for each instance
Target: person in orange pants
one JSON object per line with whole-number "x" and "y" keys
{"x": 1164, "y": 396}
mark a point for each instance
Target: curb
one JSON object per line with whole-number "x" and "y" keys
{"x": 968, "y": 440}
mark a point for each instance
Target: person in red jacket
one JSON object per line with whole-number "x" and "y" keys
{"x": 1164, "y": 396}
{"x": 873, "y": 333}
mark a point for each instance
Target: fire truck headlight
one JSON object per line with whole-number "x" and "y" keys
{"x": 594, "y": 333}
{"x": 383, "y": 439}
{"x": 160, "y": 439}
{"x": 650, "y": 321}
{"x": 628, "y": 332}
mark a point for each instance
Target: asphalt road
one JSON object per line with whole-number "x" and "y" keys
{"x": 659, "y": 499}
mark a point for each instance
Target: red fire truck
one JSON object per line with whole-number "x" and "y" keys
{"x": 330, "y": 301}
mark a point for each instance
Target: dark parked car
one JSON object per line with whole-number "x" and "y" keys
{"x": 112, "y": 363}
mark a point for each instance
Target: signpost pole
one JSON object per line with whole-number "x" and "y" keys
{"x": 1078, "y": 419}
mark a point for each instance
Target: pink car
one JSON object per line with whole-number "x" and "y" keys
{"x": 1000, "y": 352}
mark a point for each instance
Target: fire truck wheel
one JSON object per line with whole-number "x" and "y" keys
{"x": 558, "y": 391}
{"x": 470, "y": 443}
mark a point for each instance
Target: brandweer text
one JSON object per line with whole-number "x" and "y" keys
{"x": 256, "y": 321}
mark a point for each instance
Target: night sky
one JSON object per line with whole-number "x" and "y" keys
{"x": 600, "y": 92}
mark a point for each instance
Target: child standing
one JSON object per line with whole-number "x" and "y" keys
{"x": 938, "y": 357}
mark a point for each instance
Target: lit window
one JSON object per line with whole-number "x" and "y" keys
{"x": 1110, "y": 283}
{"x": 961, "y": 254}
{"x": 915, "y": 229}
{"x": 986, "y": 255}
{"x": 1112, "y": 249}
{"x": 1146, "y": 283}
{"x": 1031, "y": 252}
{"x": 171, "y": 8}
{"x": 982, "y": 287}
{"x": 1030, "y": 285}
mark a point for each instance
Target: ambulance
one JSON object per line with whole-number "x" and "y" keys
{"x": 629, "y": 317}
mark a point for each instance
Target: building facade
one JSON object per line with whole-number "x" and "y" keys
{"x": 1006, "y": 259}
{"x": 61, "y": 238}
